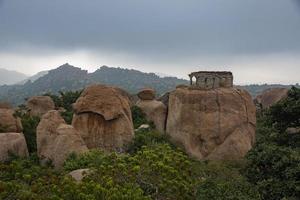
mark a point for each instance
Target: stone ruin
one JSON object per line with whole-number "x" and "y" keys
{"x": 211, "y": 79}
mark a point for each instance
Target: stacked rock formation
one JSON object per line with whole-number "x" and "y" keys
{"x": 212, "y": 124}
{"x": 12, "y": 140}
{"x": 56, "y": 140}
{"x": 40, "y": 105}
{"x": 154, "y": 110}
{"x": 103, "y": 118}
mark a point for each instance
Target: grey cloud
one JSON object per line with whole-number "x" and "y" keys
{"x": 159, "y": 29}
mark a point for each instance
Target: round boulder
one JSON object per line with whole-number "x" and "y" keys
{"x": 12, "y": 143}
{"x": 103, "y": 118}
{"x": 155, "y": 112}
{"x": 39, "y": 105}
{"x": 9, "y": 122}
{"x": 147, "y": 94}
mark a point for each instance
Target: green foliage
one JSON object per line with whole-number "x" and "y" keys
{"x": 286, "y": 113}
{"x": 146, "y": 138}
{"x": 65, "y": 100}
{"x": 159, "y": 171}
{"x": 29, "y": 124}
{"x": 138, "y": 117}
{"x": 274, "y": 162}
{"x": 275, "y": 170}
{"x": 27, "y": 180}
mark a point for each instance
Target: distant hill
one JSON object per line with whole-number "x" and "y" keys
{"x": 8, "y": 77}
{"x": 255, "y": 89}
{"x": 67, "y": 77}
{"x": 34, "y": 77}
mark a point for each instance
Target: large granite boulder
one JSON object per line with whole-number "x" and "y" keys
{"x": 39, "y": 105}
{"x": 103, "y": 118}
{"x": 147, "y": 94}
{"x": 9, "y": 122}
{"x": 271, "y": 96}
{"x": 12, "y": 143}
{"x": 155, "y": 112}
{"x": 56, "y": 140}
{"x": 212, "y": 124}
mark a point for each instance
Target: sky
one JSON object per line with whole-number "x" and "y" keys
{"x": 258, "y": 40}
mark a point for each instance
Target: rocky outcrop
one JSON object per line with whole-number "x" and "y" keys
{"x": 9, "y": 122}
{"x": 103, "y": 118}
{"x": 12, "y": 143}
{"x": 147, "y": 94}
{"x": 39, "y": 105}
{"x": 68, "y": 141}
{"x": 79, "y": 174}
{"x": 155, "y": 112}
{"x": 56, "y": 140}
{"x": 212, "y": 124}
{"x": 270, "y": 97}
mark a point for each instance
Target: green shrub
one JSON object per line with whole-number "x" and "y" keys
{"x": 275, "y": 170}
{"x": 138, "y": 117}
{"x": 29, "y": 124}
{"x": 273, "y": 164}
{"x": 160, "y": 171}
{"x": 146, "y": 138}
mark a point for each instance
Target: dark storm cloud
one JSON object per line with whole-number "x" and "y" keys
{"x": 167, "y": 29}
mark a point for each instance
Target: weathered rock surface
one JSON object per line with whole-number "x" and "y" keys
{"x": 12, "y": 143}
{"x": 212, "y": 124}
{"x": 271, "y": 96}
{"x": 39, "y": 105}
{"x": 56, "y": 140}
{"x": 5, "y": 105}
{"x": 79, "y": 174}
{"x": 155, "y": 112}
{"x": 165, "y": 99}
{"x": 68, "y": 141}
{"x": 147, "y": 94}
{"x": 103, "y": 118}
{"x": 8, "y": 122}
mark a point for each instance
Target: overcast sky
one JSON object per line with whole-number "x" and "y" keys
{"x": 258, "y": 40}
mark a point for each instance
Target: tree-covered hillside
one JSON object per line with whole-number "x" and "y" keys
{"x": 68, "y": 78}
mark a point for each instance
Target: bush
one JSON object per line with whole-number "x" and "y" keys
{"x": 65, "y": 100}
{"x": 138, "y": 117}
{"x": 29, "y": 124}
{"x": 275, "y": 170}
{"x": 274, "y": 161}
{"x": 146, "y": 138}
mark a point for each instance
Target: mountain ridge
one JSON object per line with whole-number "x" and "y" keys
{"x": 8, "y": 77}
{"x": 67, "y": 77}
